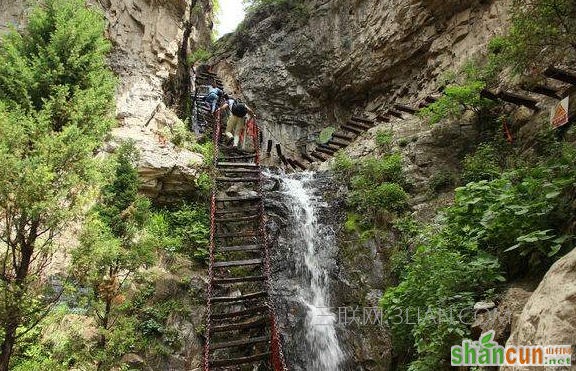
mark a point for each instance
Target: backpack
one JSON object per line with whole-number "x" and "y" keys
{"x": 239, "y": 109}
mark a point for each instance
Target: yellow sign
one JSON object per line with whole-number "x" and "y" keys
{"x": 559, "y": 114}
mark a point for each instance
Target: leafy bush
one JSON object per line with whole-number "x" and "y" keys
{"x": 374, "y": 184}
{"x": 517, "y": 221}
{"x": 384, "y": 139}
{"x": 183, "y": 230}
{"x": 483, "y": 164}
{"x": 342, "y": 163}
{"x": 326, "y": 134}
{"x": 456, "y": 99}
{"x": 199, "y": 55}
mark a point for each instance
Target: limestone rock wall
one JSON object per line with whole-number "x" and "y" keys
{"x": 302, "y": 75}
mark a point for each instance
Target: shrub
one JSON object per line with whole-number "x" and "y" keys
{"x": 199, "y": 55}
{"x": 342, "y": 163}
{"x": 384, "y": 139}
{"x": 483, "y": 164}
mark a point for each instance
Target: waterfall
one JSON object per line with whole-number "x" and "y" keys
{"x": 312, "y": 245}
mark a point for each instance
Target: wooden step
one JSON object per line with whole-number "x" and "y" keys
{"x": 363, "y": 119}
{"x": 343, "y": 136}
{"x": 326, "y": 151}
{"x": 405, "y": 108}
{"x": 238, "y": 164}
{"x": 239, "y": 361}
{"x": 383, "y": 118}
{"x": 240, "y": 171}
{"x": 240, "y": 198}
{"x": 237, "y": 180}
{"x": 231, "y": 280}
{"x": 338, "y": 143}
{"x": 359, "y": 125}
{"x": 241, "y": 157}
{"x": 329, "y": 147}
{"x": 542, "y": 90}
{"x": 238, "y": 263}
{"x": 237, "y": 219}
{"x": 318, "y": 156}
{"x": 260, "y": 322}
{"x": 351, "y": 129}
{"x": 395, "y": 113}
{"x": 240, "y": 248}
{"x": 227, "y": 299}
{"x": 307, "y": 157}
{"x": 240, "y": 343}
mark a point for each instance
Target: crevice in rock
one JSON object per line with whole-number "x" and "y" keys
{"x": 177, "y": 89}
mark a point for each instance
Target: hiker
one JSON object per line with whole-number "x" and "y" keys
{"x": 235, "y": 123}
{"x": 213, "y": 97}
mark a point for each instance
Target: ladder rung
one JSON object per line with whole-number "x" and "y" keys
{"x": 225, "y": 299}
{"x": 239, "y": 343}
{"x": 241, "y": 198}
{"x": 238, "y": 219}
{"x": 240, "y": 180}
{"x": 240, "y": 248}
{"x": 260, "y": 322}
{"x": 239, "y": 361}
{"x": 238, "y": 157}
{"x": 237, "y": 164}
{"x": 223, "y": 281}
{"x": 240, "y": 171}
{"x": 238, "y": 263}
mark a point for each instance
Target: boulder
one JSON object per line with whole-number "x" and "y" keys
{"x": 549, "y": 316}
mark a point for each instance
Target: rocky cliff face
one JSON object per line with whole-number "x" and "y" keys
{"x": 339, "y": 56}
{"x": 151, "y": 40}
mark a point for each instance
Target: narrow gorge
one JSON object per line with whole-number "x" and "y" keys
{"x": 407, "y": 183}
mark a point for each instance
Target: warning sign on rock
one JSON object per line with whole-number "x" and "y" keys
{"x": 559, "y": 114}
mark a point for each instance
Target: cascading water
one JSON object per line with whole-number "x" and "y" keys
{"x": 312, "y": 245}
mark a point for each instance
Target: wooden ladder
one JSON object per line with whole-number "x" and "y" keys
{"x": 240, "y": 324}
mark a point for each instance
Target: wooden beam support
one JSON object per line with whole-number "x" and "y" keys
{"x": 568, "y": 77}
{"x": 351, "y": 129}
{"x": 326, "y": 151}
{"x": 343, "y": 136}
{"x": 269, "y": 149}
{"x": 520, "y": 100}
{"x": 363, "y": 119}
{"x": 239, "y": 361}
{"x": 383, "y": 118}
{"x": 280, "y": 155}
{"x": 299, "y": 164}
{"x": 358, "y": 125}
{"x": 307, "y": 157}
{"x": 542, "y": 90}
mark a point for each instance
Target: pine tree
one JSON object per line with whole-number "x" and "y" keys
{"x": 56, "y": 105}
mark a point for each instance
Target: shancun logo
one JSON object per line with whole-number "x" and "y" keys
{"x": 487, "y": 352}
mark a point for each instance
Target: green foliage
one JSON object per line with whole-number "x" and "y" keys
{"x": 184, "y": 230}
{"x": 342, "y": 163}
{"x": 56, "y": 105}
{"x": 515, "y": 222}
{"x": 543, "y": 32}
{"x": 375, "y": 184}
{"x": 199, "y": 56}
{"x": 298, "y": 9}
{"x": 326, "y": 135}
{"x": 384, "y": 139}
{"x": 456, "y": 99}
{"x": 483, "y": 164}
